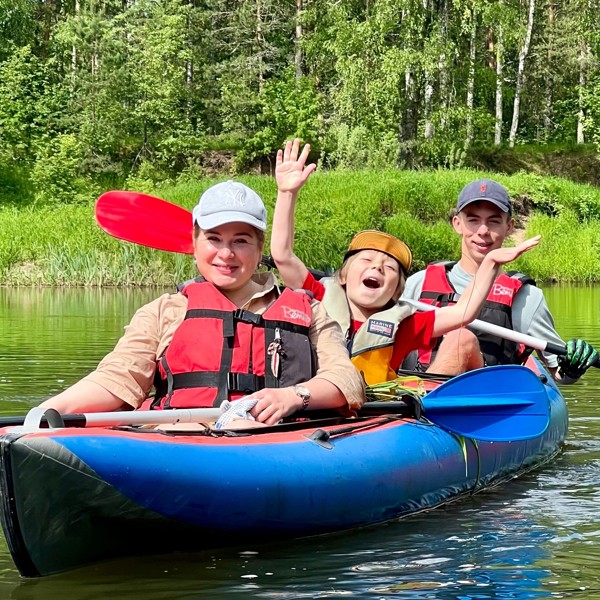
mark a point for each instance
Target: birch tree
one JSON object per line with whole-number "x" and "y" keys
{"x": 520, "y": 74}
{"x": 298, "y": 61}
{"x": 471, "y": 78}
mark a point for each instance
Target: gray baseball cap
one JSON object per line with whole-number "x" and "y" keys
{"x": 230, "y": 202}
{"x": 485, "y": 189}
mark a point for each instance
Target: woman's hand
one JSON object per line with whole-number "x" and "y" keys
{"x": 291, "y": 171}
{"x": 273, "y": 404}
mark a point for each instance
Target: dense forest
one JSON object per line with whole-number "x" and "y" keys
{"x": 131, "y": 92}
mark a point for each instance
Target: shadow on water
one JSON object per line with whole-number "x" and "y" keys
{"x": 534, "y": 537}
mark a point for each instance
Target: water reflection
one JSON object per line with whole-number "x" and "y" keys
{"x": 488, "y": 549}
{"x": 51, "y": 337}
{"x": 535, "y": 537}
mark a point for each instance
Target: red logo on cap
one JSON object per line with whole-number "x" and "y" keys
{"x": 483, "y": 187}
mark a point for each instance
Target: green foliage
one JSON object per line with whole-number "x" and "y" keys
{"x": 140, "y": 94}
{"x": 592, "y": 106}
{"x": 62, "y": 245}
{"x": 21, "y": 93}
{"x": 374, "y": 84}
{"x": 15, "y": 187}
{"x": 146, "y": 178}
{"x": 553, "y": 196}
{"x": 56, "y": 174}
{"x": 428, "y": 243}
{"x": 56, "y": 244}
{"x": 558, "y": 259}
{"x": 450, "y": 155}
{"x": 357, "y": 148}
{"x": 286, "y": 108}
{"x": 17, "y": 24}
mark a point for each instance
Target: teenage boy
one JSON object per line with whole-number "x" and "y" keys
{"x": 484, "y": 220}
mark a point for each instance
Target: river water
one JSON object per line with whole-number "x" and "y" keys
{"x": 535, "y": 537}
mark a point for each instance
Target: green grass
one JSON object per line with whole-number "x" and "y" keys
{"x": 62, "y": 245}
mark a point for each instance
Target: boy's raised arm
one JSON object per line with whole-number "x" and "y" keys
{"x": 291, "y": 173}
{"x": 468, "y": 306}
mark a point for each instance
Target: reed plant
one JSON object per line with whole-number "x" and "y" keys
{"x": 62, "y": 245}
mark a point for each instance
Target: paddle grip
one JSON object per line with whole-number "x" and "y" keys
{"x": 558, "y": 349}
{"x": 73, "y": 420}
{"x": 561, "y": 350}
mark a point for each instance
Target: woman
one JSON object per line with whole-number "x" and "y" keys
{"x": 229, "y": 334}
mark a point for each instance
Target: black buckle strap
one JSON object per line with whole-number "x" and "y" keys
{"x": 442, "y": 299}
{"x": 163, "y": 390}
{"x": 245, "y": 382}
{"x": 236, "y": 382}
{"x": 245, "y": 316}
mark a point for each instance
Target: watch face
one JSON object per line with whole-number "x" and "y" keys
{"x": 303, "y": 392}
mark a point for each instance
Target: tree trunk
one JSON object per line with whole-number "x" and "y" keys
{"x": 427, "y": 108}
{"x": 471, "y": 81}
{"x": 74, "y": 51}
{"x": 549, "y": 84}
{"x": 189, "y": 73}
{"x": 520, "y": 70}
{"x": 408, "y": 124}
{"x": 410, "y": 132}
{"x": 584, "y": 55}
{"x": 443, "y": 67}
{"x": 499, "y": 82}
{"x": 298, "y": 40}
{"x": 260, "y": 40}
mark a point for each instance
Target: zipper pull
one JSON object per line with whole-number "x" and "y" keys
{"x": 275, "y": 351}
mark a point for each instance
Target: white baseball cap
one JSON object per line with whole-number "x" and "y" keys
{"x": 230, "y": 202}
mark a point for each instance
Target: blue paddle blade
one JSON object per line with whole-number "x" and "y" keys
{"x": 496, "y": 404}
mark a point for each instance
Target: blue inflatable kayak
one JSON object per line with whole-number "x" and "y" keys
{"x": 74, "y": 495}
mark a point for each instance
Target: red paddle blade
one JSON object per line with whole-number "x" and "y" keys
{"x": 146, "y": 220}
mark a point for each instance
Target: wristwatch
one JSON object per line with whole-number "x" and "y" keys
{"x": 303, "y": 393}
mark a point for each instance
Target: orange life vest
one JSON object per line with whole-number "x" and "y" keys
{"x": 372, "y": 346}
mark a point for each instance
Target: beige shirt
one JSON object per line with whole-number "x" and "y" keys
{"x": 128, "y": 371}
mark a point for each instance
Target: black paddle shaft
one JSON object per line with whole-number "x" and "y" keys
{"x": 75, "y": 420}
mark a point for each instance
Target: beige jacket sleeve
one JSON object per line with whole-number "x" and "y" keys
{"x": 333, "y": 363}
{"x": 128, "y": 371}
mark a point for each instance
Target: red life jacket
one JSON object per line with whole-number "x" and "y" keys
{"x": 221, "y": 352}
{"x": 497, "y": 309}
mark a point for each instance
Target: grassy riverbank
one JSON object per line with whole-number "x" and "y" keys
{"x": 62, "y": 245}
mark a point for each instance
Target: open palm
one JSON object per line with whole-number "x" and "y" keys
{"x": 291, "y": 170}
{"x": 502, "y": 256}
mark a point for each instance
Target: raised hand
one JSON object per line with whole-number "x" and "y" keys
{"x": 501, "y": 256}
{"x": 291, "y": 170}
{"x": 579, "y": 358}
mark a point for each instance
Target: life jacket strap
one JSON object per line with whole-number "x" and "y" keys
{"x": 236, "y": 382}
{"x": 160, "y": 391}
{"x": 443, "y": 299}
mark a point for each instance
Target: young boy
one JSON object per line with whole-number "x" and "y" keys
{"x": 362, "y": 296}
